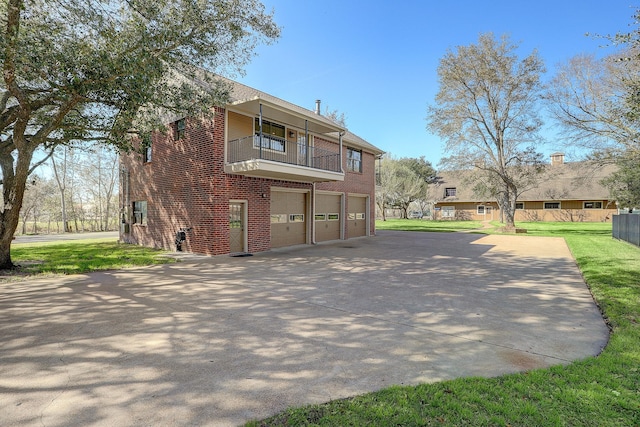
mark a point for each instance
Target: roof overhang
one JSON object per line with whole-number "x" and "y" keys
{"x": 282, "y": 113}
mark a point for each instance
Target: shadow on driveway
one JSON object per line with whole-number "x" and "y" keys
{"x": 220, "y": 341}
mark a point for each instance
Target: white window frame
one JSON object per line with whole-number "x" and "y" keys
{"x": 449, "y": 190}
{"x": 544, "y": 206}
{"x": 480, "y": 210}
{"x": 521, "y": 208}
{"x": 450, "y": 211}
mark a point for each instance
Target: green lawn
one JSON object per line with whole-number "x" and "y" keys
{"x": 79, "y": 256}
{"x": 425, "y": 225}
{"x": 598, "y": 391}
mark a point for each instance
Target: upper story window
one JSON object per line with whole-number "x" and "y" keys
{"x": 450, "y": 192}
{"x": 273, "y": 136}
{"x": 354, "y": 160}
{"x": 180, "y": 126}
{"x": 146, "y": 148}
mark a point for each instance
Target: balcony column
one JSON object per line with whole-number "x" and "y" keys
{"x": 260, "y": 126}
{"x": 340, "y": 157}
{"x": 306, "y": 142}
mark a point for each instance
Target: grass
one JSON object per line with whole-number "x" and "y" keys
{"x": 425, "y": 225}
{"x": 597, "y": 391}
{"x": 78, "y": 256}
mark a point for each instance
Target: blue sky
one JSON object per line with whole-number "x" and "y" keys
{"x": 376, "y": 62}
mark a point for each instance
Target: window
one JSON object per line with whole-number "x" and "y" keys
{"x": 480, "y": 210}
{"x": 354, "y": 160}
{"x": 519, "y": 205}
{"x": 272, "y": 136}
{"x": 180, "y": 126}
{"x": 278, "y": 218}
{"x": 450, "y": 192}
{"x": 333, "y": 217}
{"x": 296, "y": 217}
{"x": 140, "y": 212}
{"x": 448, "y": 212}
{"x": 552, "y": 205}
{"x": 320, "y": 217}
{"x": 592, "y": 205}
{"x": 146, "y": 148}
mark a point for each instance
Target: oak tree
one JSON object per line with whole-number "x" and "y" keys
{"x": 486, "y": 111}
{"x": 77, "y": 70}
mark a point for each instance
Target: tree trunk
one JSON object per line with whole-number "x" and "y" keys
{"x": 14, "y": 184}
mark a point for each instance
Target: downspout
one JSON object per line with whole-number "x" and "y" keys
{"x": 313, "y": 213}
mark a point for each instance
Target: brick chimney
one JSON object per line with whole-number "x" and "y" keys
{"x": 557, "y": 159}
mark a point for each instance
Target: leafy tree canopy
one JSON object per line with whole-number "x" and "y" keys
{"x": 84, "y": 70}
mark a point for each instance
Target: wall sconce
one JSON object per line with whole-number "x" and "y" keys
{"x": 264, "y": 195}
{"x": 291, "y": 134}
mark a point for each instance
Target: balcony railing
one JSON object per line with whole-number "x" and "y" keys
{"x": 280, "y": 150}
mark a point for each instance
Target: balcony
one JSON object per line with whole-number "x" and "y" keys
{"x": 267, "y": 156}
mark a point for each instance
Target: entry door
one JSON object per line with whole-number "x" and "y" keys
{"x": 236, "y": 227}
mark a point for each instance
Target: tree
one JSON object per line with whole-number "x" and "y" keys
{"x": 83, "y": 70}
{"x": 62, "y": 167}
{"x": 597, "y": 104}
{"x": 624, "y": 184}
{"x": 486, "y": 112}
{"x": 401, "y": 182}
{"x": 591, "y": 100}
{"x": 99, "y": 172}
{"x": 336, "y": 117}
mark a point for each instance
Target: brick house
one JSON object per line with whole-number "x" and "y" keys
{"x": 263, "y": 173}
{"x": 566, "y": 192}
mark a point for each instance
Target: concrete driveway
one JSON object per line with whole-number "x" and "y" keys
{"x": 220, "y": 341}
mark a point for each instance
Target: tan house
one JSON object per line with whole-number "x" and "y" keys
{"x": 566, "y": 192}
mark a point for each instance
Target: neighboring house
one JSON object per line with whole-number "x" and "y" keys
{"x": 565, "y": 192}
{"x": 263, "y": 173}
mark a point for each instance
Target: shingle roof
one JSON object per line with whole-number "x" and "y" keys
{"x": 567, "y": 181}
{"x": 241, "y": 93}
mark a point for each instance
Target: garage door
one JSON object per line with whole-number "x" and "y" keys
{"x": 327, "y": 217}
{"x": 357, "y": 216}
{"x": 288, "y": 219}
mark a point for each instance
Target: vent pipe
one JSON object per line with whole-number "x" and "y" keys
{"x": 317, "y": 106}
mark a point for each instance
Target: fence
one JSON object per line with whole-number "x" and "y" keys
{"x": 627, "y": 227}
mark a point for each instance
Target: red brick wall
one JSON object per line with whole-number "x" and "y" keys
{"x": 356, "y": 183}
{"x": 185, "y": 187}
